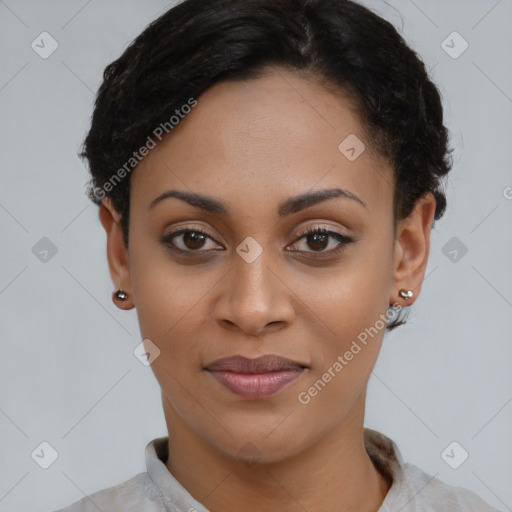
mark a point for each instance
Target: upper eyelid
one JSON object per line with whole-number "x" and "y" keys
{"x": 301, "y": 232}
{"x": 318, "y": 227}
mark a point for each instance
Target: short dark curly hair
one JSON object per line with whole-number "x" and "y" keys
{"x": 340, "y": 43}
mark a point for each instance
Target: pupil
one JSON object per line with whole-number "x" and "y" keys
{"x": 322, "y": 239}
{"x": 193, "y": 240}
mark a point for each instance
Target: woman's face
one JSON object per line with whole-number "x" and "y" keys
{"x": 253, "y": 285}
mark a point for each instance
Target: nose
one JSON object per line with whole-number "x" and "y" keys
{"x": 254, "y": 298}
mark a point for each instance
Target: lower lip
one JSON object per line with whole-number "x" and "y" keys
{"x": 256, "y": 385}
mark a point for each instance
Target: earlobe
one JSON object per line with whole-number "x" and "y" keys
{"x": 117, "y": 255}
{"x": 412, "y": 245}
{"x": 121, "y": 299}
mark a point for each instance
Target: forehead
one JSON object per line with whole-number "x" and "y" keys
{"x": 274, "y": 136}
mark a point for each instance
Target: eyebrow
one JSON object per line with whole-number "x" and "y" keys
{"x": 287, "y": 207}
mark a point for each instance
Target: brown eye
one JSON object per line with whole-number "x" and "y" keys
{"x": 191, "y": 241}
{"x": 318, "y": 239}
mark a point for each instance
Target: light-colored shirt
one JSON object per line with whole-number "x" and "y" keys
{"x": 157, "y": 490}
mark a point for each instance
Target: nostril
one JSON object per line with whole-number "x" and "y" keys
{"x": 229, "y": 323}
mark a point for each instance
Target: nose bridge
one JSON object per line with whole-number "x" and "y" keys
{"x": 250, "y": 261}
{"x": 252, "y": 296}
{"x": 252, "y": 280}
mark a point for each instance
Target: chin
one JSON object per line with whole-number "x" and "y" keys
{"x": 259, "y": 444}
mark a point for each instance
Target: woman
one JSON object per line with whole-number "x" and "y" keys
{"x": 268, "y": 174}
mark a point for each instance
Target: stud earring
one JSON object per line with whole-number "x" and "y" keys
{"x": 119, "y": 295}
{"x": 406, "y": 294}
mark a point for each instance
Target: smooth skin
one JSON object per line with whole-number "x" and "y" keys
{"x": 252, "y": 145}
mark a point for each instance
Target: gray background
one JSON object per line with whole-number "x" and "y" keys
{"x": 67, "y": 372}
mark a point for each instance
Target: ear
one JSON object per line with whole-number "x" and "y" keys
{"x": 117, "y": 254}
{"x": 412, "y": 245}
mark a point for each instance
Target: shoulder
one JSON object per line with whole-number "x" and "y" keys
{"x": 412, "y": 489}
{"x": 137, "y": 493}
{"x": 432, "y": 494}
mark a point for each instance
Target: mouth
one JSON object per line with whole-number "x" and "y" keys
{"x": 255, "y": 378}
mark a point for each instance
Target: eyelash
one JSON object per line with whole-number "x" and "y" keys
{"x": 342, "y": 239}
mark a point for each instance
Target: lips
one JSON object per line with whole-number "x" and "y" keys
{"x": 255, "y": 378}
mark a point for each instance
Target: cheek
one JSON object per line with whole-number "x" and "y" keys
{"x": 166, "y": 294}
{"x": 352, "y": 303}
{"x": 342, "y": 362}
{"x": 344, "y": 359}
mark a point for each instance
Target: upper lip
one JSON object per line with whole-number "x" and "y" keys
{"x": 263, "y": 364}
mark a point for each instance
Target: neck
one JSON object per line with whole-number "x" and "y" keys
{"x": 334, "y": 473}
